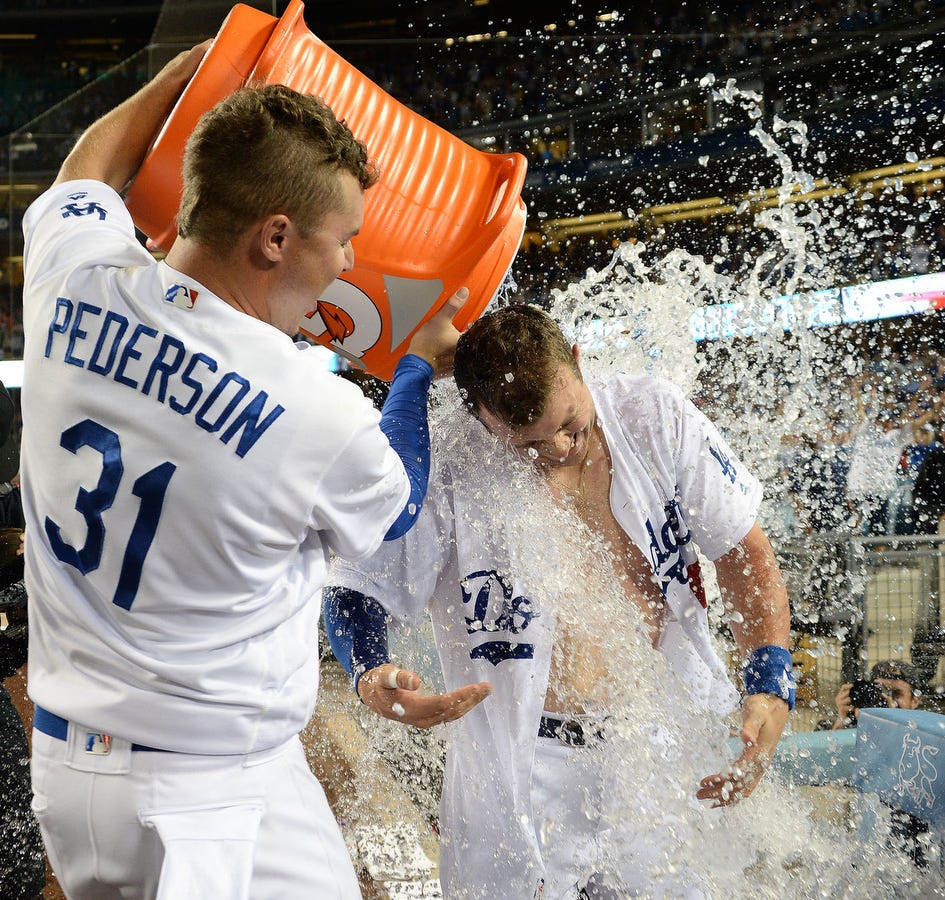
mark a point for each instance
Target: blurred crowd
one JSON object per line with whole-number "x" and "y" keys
{"x": 478, "y": 79}
{"x": 866, "y": 466}
{"x": 459, "y": 85}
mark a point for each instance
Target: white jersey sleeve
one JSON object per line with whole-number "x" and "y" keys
{"x": 685, "y": 454}
{"x": 58, "y": 237}
{"x": 720, "y": 496}
{"x": 403, "y": 575}
{"x": 363, "y": 492}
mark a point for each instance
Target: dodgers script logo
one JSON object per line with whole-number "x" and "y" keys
{"x": 86, "y": 209}
{"x": 917, "y": 771}
{"x": 728, "y": 468}
{"x": 490, "y": 598}
{"x": 671, "y": 547}
{"x": 181, "y": 296}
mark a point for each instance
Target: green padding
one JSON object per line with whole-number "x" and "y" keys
{"x": 813, "y": 757}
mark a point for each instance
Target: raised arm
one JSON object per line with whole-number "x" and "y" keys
{"x": 756, "y": 600}
{"x": 112, "y": 149}
{"x": 404, "y": 416}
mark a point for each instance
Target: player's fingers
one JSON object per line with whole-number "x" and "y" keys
{"x": 394, "y": 679}
{"x": 455, "y": 303}
{"x": 737, "y": 781}
{"x": 719, "y": 790}
{"x": 728, "y": 787}
{"x": 464, "y": 699}
{"x": 454, "y": 705}
{"x": 710, "y": 790}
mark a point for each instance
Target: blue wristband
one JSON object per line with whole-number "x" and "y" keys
{"x": 356, "y": 626}
{"x": 768, "y": 671}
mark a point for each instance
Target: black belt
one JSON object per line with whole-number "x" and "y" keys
{"x": 56, "y": 726}
{"x": 569, "y": 731}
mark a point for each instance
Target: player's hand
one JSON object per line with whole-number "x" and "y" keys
{"x": 435, "y": 341}
{"x": 182, "y": 67}
{"x": 404, "y": 703}
{"x": 763, "y": 719}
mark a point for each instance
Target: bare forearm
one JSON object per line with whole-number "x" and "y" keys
{"x": 112, "y": 149}
{"x": 754, "y": 594}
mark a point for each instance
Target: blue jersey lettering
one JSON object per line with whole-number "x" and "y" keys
{"x": 131, "y": 352}
{"x": 161, "y": 369}
{"x": 77, "y": 334}
{"x": 241, "y": 391}
{"x": 160, "y": 365}
{"x": 188, "y": 379}
{"x": 248, "y": 422}
{"x": 727, "y": 466}
{"x": 85, "y": 209}
{"x": 667, "y": 546}
{"x": 122, "y": 326}
{"x": 497, "y": 609}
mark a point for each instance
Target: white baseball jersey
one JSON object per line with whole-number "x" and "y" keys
{"x": 186, "y": 469}
{"x": 675, "y": 483}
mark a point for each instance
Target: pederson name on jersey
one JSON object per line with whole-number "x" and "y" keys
{"x": 162, "y": 367}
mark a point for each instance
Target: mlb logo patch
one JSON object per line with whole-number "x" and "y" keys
{"x": 98, "y": 744}
{"x": 181, "y": 296}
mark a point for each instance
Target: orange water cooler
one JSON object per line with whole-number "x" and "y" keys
{"x": 442, "y": 215}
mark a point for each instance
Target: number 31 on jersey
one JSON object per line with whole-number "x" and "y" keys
{"x": 150, "y": 489}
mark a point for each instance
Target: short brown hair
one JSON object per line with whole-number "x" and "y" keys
{"x": 507, "y": 361}
{"x": 261, "y": 151}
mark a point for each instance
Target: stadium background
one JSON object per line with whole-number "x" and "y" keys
{"x": 619, "y": 114}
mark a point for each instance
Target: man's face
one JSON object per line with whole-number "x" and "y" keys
{"x": 319, "y": 258}
{"x": 898, "y": 692}
{"x": 560, "y": 437}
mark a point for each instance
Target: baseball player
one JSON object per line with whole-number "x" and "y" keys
{"x": 651, "y": 477}
{"x": 186, "y": 469}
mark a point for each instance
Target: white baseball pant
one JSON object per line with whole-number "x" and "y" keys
{"x": 151, "y": 825}
{"x": 571, "y": 802}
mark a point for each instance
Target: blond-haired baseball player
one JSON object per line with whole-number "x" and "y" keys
{"x": 187, "y": 467}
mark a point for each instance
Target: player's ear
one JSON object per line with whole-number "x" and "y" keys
{"x": 576, "y": 353}
{"x": 274, "y": 235}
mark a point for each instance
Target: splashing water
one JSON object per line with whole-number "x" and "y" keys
{"x": 660, "y": 739}
{"x": 634, "y": 315}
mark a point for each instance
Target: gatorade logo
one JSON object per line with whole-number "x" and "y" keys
{"x": 349, "y": 319}
{"x": 337, "y": 322}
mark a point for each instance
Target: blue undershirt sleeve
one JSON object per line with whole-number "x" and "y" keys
{"x": 404, "y": 421}
{"x": 357, "y": 630}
